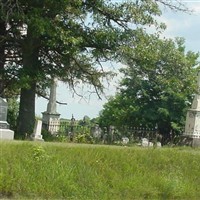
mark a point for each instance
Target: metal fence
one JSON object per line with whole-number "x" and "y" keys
{"x": 105, "y": 134}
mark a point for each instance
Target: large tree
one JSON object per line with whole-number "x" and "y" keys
{"x": 157, "y": 87}
{"x": 68, "y": 39}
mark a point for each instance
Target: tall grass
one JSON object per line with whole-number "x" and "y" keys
{"x": 31, "y": 170}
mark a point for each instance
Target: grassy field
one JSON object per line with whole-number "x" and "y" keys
{"x": 31, "y": 170}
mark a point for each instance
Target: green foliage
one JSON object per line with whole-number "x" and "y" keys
{"x": 85, "y": 121}
{"x": 48, "y": 137}
{"x": 13, "y": 110}
{"x": 84, "y": 138}
{"x": 74, "y": 171}
{"x": 79, "y": 34}
{"x": 68, "y": 40}
{"x": 157, "y": 87}
{"x": 39, "y": 153}
{"x": 81, "y": 134}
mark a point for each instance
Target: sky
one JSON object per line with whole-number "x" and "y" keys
{"x": 179, "y": 24}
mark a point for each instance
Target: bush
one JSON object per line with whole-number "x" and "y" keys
{"x": 48, "y": 137}
{"x": 13, "y": 110}
{"x": 84, "y": 138}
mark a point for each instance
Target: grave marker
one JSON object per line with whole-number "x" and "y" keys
{"x": 51, "y": 118}
{"x": 36, "y": 136}
{"x": 192, "y": 125}
{"x": 5, "y": 132}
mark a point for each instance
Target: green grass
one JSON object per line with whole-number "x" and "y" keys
{"x": 32, "y": 170}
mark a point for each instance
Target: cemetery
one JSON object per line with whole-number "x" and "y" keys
{"x": 100, "y": 166}
{"x": 56, "y": 127}
{"x": 91, "y": 161}
{"x": 71, "y": 129}
{"x": 128, "y": 61}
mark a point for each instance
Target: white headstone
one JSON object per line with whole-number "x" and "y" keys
{"x": 6, "y": 134}
{"x": 37, "y": 131}
{"x": 159, "y": 144}
{"x": 145, "y": 142}
{"x": 125, "y": 140}
{"x": 150, "y": 144}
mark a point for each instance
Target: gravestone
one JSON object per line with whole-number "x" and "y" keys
{"x": 96, "y": 131}
{"x": 36, "y": 136}
{"x": 50, "y": 118}
{"x": 146, "y": 143}
{"x": 125, "y": 140}
{"x": 5, "y": 132}
{"x": 192, "y": 125}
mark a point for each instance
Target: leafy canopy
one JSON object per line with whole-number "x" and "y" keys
{"x": 157, "y": 86}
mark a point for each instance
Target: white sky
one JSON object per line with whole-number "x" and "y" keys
{"x": 178, "y": 25}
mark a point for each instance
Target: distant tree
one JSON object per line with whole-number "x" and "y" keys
{"x": 85, "y": 121}
{"x": 158, "y": 85}
{"x": 94, "y": 121}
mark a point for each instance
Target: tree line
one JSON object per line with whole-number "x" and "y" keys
{"x": 69, "y": 40}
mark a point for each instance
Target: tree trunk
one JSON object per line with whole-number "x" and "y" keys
{"x": 2, "y": 56}
{"x": 26, "y": 118}
{"x": 30, "y": 53}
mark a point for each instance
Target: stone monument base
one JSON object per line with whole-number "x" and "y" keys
{"x": 190, "y": 141}
{"x": 6, "y": 134}
{"x": 195, "y": 142}
{"x": 40, "y": 139}
{"x": 51, "y": 122}
{"x": 4, "y": 125}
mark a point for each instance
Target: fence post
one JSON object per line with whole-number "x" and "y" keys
{"x": 156, "y": 135}
{"x": 72, "y": 128}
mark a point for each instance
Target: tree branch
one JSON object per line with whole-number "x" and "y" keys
{"x": 45, "y": 97}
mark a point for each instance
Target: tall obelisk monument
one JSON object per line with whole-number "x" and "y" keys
{"x": 192, "y": 126}
{"x": 51, "y": 118}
